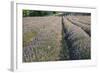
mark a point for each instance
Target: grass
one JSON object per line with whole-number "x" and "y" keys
{"x": 27, "y": 37}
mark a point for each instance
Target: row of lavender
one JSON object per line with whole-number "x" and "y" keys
{"x": 78, "y": 41}
{"x": 45, "y": 45}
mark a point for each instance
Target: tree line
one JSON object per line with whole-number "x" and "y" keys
{"x": 27, "y": 13}
{"x": 30, "y": 13}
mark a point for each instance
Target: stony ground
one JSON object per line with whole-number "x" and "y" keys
{"x": 53, "y": 38}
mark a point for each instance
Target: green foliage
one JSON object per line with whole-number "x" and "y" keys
{"x": 27, "y": 13}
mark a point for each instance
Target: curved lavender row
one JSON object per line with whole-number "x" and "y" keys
{"x": 82, "y": 19}
{"x": 86, "y": 28}
{"x": 78, "y": 41}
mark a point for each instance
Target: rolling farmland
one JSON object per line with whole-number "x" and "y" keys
{"x": 54, "y": 38}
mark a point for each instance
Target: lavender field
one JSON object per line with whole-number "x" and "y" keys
{"x": 56, "y": 37}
